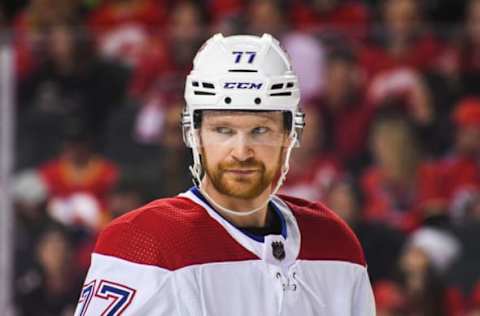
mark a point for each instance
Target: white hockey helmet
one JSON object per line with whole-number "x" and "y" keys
{"x": 241, "y": 72}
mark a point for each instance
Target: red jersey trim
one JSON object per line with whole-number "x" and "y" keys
{"x": 172, "y": 234}
{"x": 325, "y": 236}
{"x": 175, "y": 233}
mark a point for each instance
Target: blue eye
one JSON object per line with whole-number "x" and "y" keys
{"x": 224, "y": 130}
{"x": 260, "y": 130}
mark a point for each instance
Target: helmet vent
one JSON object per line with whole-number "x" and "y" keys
{"x": 208, "y": 85}
{"x": 195, "y": 83}
{"x": 242, "y": 70}
{"x": 277, "y": 86}
{"x": 290, "y": 85}
{"x": 280, "y": 94}
{"x": 203, "y": 93}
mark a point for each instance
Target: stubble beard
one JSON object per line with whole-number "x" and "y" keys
{"x": 241, "y": 187}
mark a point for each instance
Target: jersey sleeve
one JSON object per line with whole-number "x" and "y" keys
{"x": 117, "y": 284}
{"x": 363, "y": 301}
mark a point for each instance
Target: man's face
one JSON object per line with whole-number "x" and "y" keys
{"x": 242, "y": 151}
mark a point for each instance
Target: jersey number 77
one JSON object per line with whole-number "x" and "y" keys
{"x": 120, "y": 296}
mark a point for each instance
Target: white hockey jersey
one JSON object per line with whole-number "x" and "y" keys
{"x": 179, "y": 257}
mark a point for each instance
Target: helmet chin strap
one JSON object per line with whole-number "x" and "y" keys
{"x": 196, "y": 171}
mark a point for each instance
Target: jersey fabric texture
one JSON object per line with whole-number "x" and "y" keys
{"x": 178, "y": 256}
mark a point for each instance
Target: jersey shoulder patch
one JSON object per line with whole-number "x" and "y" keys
{"x": 170, "y": 233}
{"x": 325, "y": 236}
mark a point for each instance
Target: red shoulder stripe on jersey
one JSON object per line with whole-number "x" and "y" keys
{"x": 325, "y": 236}
{"x": 172, "y": 234}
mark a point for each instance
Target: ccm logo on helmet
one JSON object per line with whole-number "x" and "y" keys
{"x": 242, "y": 85}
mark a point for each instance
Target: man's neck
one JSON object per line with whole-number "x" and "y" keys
{"x": 257, "y": 219}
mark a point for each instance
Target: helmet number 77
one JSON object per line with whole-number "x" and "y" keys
{"x": 249, "y": 55}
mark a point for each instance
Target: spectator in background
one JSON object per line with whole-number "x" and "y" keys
{"x": 421, "y": 271}
{"x": 186, "y": 31}
{"x": 399, "y": 188}
{"x": 30, "y": 26}
{"x": 155, "y": 87}
{"x": 133, "y": 34}
{"x": 160, "y": 73}
{"x": 457, "y": 74}
{"x": 396, "y": 59}
{"x": 78, "y": 181}
{"x": 344, "y": 109}
{"x": 402, "y": 90}
{"x": 71, "y": 81}
{"x": 460, "y": 168}
{"x": 52, "y": 287}
{"x": 381, "y": 243}
{"x": 30, "y": 204}
{"x": 123, "y": 28}
{"x": 403, "y": 40}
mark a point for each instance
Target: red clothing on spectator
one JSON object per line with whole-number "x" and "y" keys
{"x": 351, "y": 18}
{"x": 455, "y": 302}
{"x": 150, "y": 14}
{"x": 24, "y": 46}
{"x": 154, "y": 62}
{"x": 24, "y": 60}
{"x": 459, "y": 174}
{"x": 396, "y": 205}
{"x": 475, "y": 296}
{"x": 224, "y": 8}
{"x": 422, "y": 55}
{"x": 126, "y": 32}
{"x": 63, "y": 179}
{"x": 390, "y": 297}
{"x": 346, "y": 129}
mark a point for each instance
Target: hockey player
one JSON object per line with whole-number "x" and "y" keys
{"x": 230, "y": 246}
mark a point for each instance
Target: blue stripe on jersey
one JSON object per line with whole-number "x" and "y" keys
{"x": 259, "y": 238}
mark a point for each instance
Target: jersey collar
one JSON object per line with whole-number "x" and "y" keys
{"x": 259, "y": 245}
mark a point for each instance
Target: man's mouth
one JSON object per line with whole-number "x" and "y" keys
{"x": 242, "y": 171}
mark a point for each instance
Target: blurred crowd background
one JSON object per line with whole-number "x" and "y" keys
{"x": 391, "y": 89}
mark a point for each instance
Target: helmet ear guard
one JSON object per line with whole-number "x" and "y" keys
{"x": 187, "y": 129}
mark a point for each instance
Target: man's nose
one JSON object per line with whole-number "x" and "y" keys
{"x": 242, "y": 149}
